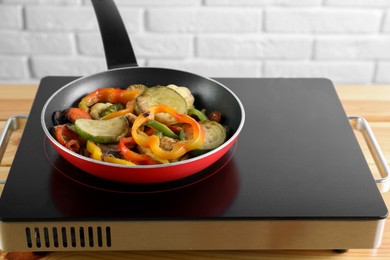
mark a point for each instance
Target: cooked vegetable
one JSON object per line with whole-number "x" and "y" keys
{"x": 140, "y": 87}
{"x": 215, "y": 135}
{"x": 96, "y": 153}
{"x": 161, "y": 95}
{"x": 112, "y": 108}
{"x": 133, "y": 156}
{"x": 102, "y": 131}
{"x": 122, "y": 112}
{"x": 97, "y": 109}
{"x": 215, "y": 116}
{"x": 112, "y": 95}
{"x": 59, "y": 118}
{"x": 68, "y": 138}
{"x": 165, "y": 130}
{"x": 153, "y": 142}
{"x": 75, "y": 113}
{"x": 185, "y": 93}
{"x": 199, "y": 114}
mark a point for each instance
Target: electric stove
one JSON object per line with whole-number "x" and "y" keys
{"x": 295, "y": 179}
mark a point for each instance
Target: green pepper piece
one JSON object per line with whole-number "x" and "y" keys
{"x": 199, "y": 114}
{"x": 162, "y": 128}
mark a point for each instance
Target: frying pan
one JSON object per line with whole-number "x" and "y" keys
{"x": 124, "y": 71}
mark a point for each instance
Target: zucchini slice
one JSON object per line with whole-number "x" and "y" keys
{"x": 102, "y": 131}
{"x": 161, "y": 95}
{"x": 140, "y": 87}
{"x": 214, "y": 136}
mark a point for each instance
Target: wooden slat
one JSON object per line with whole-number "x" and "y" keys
{"x": 370, "y": 102}
{"x": 16, "y": 99}
{"x": 10, "y": 108}
{"x": 13, "y": 91}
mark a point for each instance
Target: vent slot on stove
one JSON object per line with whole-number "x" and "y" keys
{"x": 68, "y": 237}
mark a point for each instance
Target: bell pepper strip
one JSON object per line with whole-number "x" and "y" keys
{"x": 131, "y": 105}
{"x": 75, "y": 113}
{"x": 175, "y": 128}
{"x": 199, "y": 114}
{"x": 164, "y": 129}
{"x": 96, "y": 153}
{"x": 154, "y": 157}
{"x": 111, "y": 159}
{"x": 68, "y": 138}
{"x": 153, "y": 142}
{"x": 116, "y": 114}
{"x": 112, "y": 95}
{"x": 132, "y": 156}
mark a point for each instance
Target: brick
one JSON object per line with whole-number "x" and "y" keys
{"x": 382, "y": 75}
{"x": 36, "y": 43}
{"x": 72, "y": 18}
{"x": 353, "y": 47}
{"x": 358, "y": 3}
{"x": 264, "y": 2}
{"x": 50, "y": 2}
{"x": 212, "y": 68}
{"x": 13, "y": 68}
{"x": 145, "y": 46}
{"x": 61, "y": 2}
{"x": 42, "y": 66}
{"x": 11, "y": 17}
{"x": 89, "y": 43}
{"x": 20, "y": 1}
{"x": 255, "y": 46}
{"x": 386, "y": 22}
{"x": 155, "y": 2}
{"x": 316, "y": 20}
{"x": 341, "y": 72}
{"x": 60, "y": 18}
{"x": 203, "y": 20}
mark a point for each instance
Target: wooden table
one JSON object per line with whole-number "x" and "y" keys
{"x": 370, "y": 102}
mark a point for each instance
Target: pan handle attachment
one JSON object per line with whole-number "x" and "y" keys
{"x": 10, "y": 126}
{"x": 360, "y": 124}
{"x": 116, "y": 42}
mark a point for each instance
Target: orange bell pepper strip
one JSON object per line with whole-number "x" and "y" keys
{"x": 153, "y": 142}
{"x": 117, "y": 113}
{"x": 132, "y": 156}
{"x": 75, "y": 113}
{"x": 112, "y": 95}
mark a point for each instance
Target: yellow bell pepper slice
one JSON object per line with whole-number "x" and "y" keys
{"x": 96, "y": 153}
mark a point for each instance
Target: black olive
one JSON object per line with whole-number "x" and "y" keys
{"x": 146, "y": 114}
{"x": 59, "y": 118}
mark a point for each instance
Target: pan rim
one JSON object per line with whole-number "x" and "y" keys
{"x": 232, "y": 138}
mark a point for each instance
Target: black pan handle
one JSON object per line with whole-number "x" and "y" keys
{"x": 117, "y": 46}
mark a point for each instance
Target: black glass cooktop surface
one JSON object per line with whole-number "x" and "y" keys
{"x": 296, "y": 158}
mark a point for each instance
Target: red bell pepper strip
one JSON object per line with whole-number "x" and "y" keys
{"x": 68, "y": 138}
{"x": 153, "y": 142}
{"x": 132, "y": 156}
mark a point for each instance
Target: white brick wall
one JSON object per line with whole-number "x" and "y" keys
{"x": 347, "y": 41}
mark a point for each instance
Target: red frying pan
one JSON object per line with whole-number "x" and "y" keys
{"x": 122, "y": 72}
